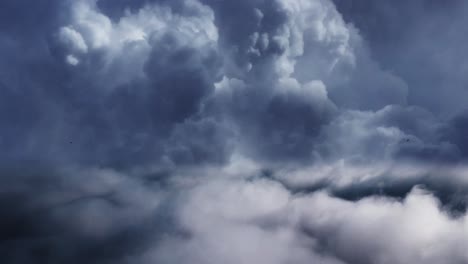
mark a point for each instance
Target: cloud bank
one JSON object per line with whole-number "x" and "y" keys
{"x": 253, "y": 131}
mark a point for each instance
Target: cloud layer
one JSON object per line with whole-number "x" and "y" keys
{"x": 206, "y": 131}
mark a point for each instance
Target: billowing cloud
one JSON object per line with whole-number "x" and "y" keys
{"x": 206, "y": 131}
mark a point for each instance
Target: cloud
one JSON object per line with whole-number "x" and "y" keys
{"x": 205, "y": 131}
{"x": 205, "y": 215}
{"x": 111, "y": 88}
{"x": 127, "y": 82}
{"x": 260, "y": 222}
{"x": 72, "y": 215}
{"x": 343, "y": 224}
{"x": 420, "y": 42}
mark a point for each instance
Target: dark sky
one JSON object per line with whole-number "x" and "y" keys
{"x": 233, "y": 131}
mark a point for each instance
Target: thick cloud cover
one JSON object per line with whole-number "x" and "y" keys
{"x": 421, "y": 41}
{"x": 252, "y": 131}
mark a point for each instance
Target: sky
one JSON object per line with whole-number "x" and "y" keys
{"x": 233, "y": 131}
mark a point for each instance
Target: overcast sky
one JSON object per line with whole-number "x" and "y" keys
{"x": 233, "y": 131}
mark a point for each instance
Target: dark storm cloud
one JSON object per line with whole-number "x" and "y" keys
{"x": 457, "y": 131}
{"x": 404, "y": 36}
{"x": 54, "y": 215}
{"x": 126, "y": 107}
{"x": 204, "y": 131}
{"x": 82, "y": 103}
{"x": 421, "y": 41}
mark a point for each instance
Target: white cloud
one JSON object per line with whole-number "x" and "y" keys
{"x": 72, "y": 60}
{"x": 73, "y": 39}
{"x": 258, "y": 221}
{"x": 126, "y": 44}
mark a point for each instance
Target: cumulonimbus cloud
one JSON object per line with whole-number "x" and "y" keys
{"x": 203, "y": 131}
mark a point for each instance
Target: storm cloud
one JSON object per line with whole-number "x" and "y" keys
{"x": 250, "y": 131}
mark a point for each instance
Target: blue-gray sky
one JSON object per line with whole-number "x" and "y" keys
{"x": 222, "y": 131}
